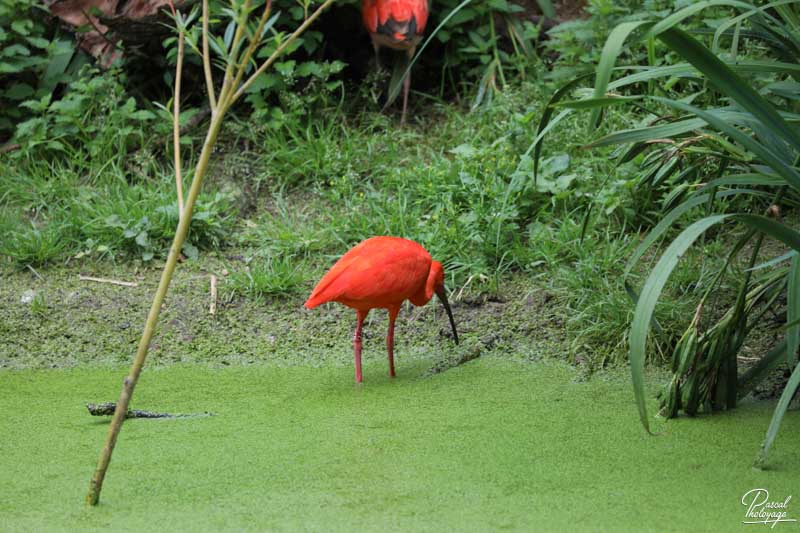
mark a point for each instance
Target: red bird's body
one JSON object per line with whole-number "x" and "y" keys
{"x": 382, "y": 272}
{"x": 396, "y": 24}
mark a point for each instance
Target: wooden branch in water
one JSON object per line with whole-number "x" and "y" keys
{"x": 471, "y": 353}
{"x": 108, "y": 408}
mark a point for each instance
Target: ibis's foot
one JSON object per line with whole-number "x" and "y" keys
{"x": 390, "y": 339}
{"x": 359, "y": 377}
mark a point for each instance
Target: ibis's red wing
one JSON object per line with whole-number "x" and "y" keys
{"x": 379, "y": 272}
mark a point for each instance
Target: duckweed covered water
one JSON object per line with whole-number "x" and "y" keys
{"x": 489, "y": 445}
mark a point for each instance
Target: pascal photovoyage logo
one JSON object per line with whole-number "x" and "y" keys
{"x": 762, "y": 510}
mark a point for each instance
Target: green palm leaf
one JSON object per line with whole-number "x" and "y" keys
{"x": 729, "y": 83}
{"x": 608, "y": 57}
{"x": 776, "y": 163}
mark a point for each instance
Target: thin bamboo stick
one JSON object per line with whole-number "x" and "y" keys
{"x": 246, "y": 85}
{"x": 212, "y": 308}
{"x": 106, "y": 280}
{"x": 228, "y": 95}
{"x": 212, "y": 100}
{"x": 129, "y": 384}
{"x": 176, "y": 127}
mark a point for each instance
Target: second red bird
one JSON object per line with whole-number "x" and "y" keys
{"x": 396, "y": 24}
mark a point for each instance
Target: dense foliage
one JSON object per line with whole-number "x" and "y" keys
{"x": 34, "y": 59}
{"x": 721, "y": 142}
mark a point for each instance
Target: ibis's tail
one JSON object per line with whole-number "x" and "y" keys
{"x": 313, "y": 301}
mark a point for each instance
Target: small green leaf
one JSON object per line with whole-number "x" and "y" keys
{"x": 16, "y": 50}
{"x": 547, "y": 8}
{"x": 18, "y": 91}
{"x": 38, "y": 42}
{"x": 190, "y": 250}
{"x": 142, "y": 240}
{"x": 143, "y": 114}
{"x": 22, "y": 26}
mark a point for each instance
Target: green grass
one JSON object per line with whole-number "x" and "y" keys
{"x": 267, "y": 277}
{"x": 56, "y": 211}
{"x": 29, "y": 245}
{"x": 490, "y": 445}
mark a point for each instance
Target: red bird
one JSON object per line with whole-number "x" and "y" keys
{"x": 382, "y": 272}
{"x": 396, "y": 24}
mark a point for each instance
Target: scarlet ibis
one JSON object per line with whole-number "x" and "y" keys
{"x": 396, "y": 24}
{"x": 382, "y": 272}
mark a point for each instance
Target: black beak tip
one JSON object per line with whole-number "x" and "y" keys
{"x": 443, "y": 297}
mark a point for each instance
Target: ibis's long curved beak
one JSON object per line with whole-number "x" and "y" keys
{"x": 442, "y": 294}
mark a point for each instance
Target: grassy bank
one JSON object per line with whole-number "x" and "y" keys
{"x": 283, "y": 203}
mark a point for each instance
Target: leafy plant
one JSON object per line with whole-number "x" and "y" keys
{"x": 300, "y": 80}
{"x": 68, "y": 213}
{"x": 33, "y": 59}
{"x": 482, "y": 40}
{"x": 32, "y": 245}
{"x": 39, "y": 305}
{"x": 94, "y": 121}
{"x": 577, "y": 43}
{"x": 144, "y": 228}
{"x": 744, "y": 149}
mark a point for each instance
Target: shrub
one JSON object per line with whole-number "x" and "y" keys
{"x": 95, "y": 122}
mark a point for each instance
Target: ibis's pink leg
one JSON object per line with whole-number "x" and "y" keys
{"x": 390, "y": 338}
{"x": 377, "y": 55}
{"x": 406, "y": 87}
{"x": 360, "y": 315}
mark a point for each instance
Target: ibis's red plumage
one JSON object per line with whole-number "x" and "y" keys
{"x": 397, "y": 24}
{"x": 382, "y": 272}
{"x": 401, "y": 21}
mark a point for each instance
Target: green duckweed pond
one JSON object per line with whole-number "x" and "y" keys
{"x": 489, "y": 445}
